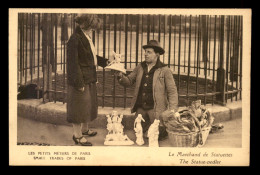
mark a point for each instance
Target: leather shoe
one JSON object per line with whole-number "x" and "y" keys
{"x": 89, "y": 133}
{"x": 78, "y": 141}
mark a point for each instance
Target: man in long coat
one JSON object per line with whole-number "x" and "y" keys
{"x": 155, "y": 89}
{"x": 81, "y": 76}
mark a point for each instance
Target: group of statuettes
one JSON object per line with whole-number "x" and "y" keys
{"x": 116, "y": 135}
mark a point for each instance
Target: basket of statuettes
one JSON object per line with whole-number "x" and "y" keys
{"x": 189, "y": 127}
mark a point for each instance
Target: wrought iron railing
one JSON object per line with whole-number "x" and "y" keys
{"x": 204, "y": 52}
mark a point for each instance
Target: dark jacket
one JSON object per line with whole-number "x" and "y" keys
{"x": 145, "y": 95}
{"x": 165, "y": 93}
{"x": 80, "y": 60}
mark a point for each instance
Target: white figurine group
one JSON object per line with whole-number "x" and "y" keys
{"x": 115, "y": 129}
{"x": 116, "y": 135}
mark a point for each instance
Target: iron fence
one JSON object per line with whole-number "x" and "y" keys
{"x": 203, "y": 51}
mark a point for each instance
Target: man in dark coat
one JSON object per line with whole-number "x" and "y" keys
{"x": 81, "y": 75}
{"x": 155, "y": 89}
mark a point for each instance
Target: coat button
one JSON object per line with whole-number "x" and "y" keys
{"x": 145, "y": 84}
{"x": 147, "y": 76}
{"x": 143, "y": 94}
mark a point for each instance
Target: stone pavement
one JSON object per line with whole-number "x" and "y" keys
{"x": 32, "y": 131}
{"x": 55, "y": 113}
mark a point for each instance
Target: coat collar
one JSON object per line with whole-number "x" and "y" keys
{"x": 82, "y": 37}
{"x": 79, "y": 31}
{"x": 158, "y": 64}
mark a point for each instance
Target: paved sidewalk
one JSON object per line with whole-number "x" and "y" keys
{"x": 56, "y": 113}
{"x": 32, "y": 131}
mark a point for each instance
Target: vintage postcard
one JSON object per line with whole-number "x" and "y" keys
{"x": 134, "y": 87}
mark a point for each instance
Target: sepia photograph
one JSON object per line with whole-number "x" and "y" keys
{"x": 152, "y": 87}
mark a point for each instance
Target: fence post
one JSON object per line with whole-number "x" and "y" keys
{"x": 44, "y": 39}
{"x": 234, "y": 57}
{"x": 205, "y": 37}
{"x": 51, "y": 43}
{"x": 64, "y": 28}
{"x": 45, "y": 82}
{"x": 50, "y": 93}
{"x": 45, "y": 55}
{"x": 220, "y": 87}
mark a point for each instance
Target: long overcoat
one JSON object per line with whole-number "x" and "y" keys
{"x": 165, "y": 93}
{"x": 81, "y": 72}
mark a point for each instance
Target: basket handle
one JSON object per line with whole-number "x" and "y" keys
{"x": 200, "y": 131}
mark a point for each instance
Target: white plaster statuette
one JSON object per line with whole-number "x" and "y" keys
{"x": 153, "y": 134}
{"x": 139, "y": 130}
{"x": 115, "y": 63}
{"x": 117, "y": 57}
{"x": 109, "y": 124}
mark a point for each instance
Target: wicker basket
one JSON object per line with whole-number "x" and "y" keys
{"x": 191, "y": 139}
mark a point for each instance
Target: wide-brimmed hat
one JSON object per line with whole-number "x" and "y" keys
{"x": 90, "y": 20}
{"x": 155, "y": 45}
